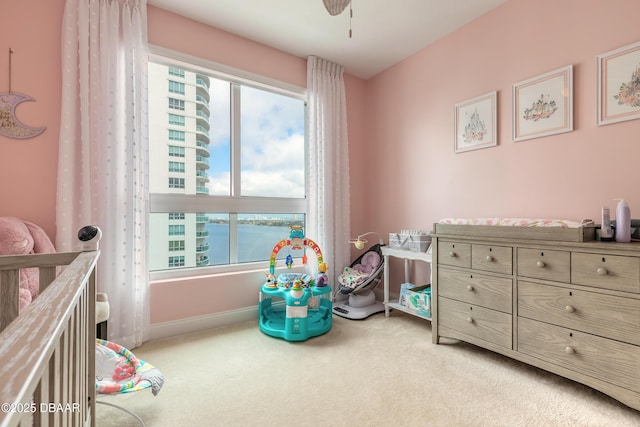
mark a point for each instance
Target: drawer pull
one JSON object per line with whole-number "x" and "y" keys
{"x": 540, "y": 264}
{"x": 489, "y": 258}
{"x": 569, "y": 350}
{"x": 452, "y": 254}
{"x": 569, "y": 309}
{"x": 469, "y": 319}
{"x": 470, "y": 288}
{"x": 602, "y": 271}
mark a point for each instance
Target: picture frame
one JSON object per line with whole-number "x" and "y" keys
{"x": 618, "y": 89}
{"x": 475, "y": 122}
{"x": 543, "y": 105}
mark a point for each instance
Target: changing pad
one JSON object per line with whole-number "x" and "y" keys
{"x": 517, "y": 222}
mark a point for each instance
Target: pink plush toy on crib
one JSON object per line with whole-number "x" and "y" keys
{"x": 18, "y": 237}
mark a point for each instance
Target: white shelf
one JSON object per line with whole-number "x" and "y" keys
{"x": 397, "y": 306}
{"x": 407, "y": 256}
{"x": 402, "y": 253}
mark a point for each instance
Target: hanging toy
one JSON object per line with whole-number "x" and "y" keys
{"x": 289, "y": 261}
{"x": 296, "y": 237}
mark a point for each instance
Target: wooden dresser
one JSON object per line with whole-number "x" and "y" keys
{"x": 547, "y": 298}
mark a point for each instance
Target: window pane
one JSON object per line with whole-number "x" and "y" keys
{"x": 176, "y": 72}
{"x": 203, "y": 239}
{"x": 176, "y": 104}
{"x": 258, "y": 234}
{"x": 175, "y": 151}
{"x": 191, "y": 147}
{"x": 176, "y": 135}
{"x": 176, "y": 167}
{"x": 220, "y": 135}
{"x": 272, "y": 144}
{"x": 217, "y": 239}
{"x": 199, "y": 239}
{"x": 176, "y": 87}
{"x": 176, "y": 120}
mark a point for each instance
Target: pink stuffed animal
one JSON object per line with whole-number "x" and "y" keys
{"x": 18, "y": 237}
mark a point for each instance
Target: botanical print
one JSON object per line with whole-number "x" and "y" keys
{"x": 629, "y": 94}
{"x": 475, "y": 128}
{"x": 543, "y": 108}
{"x": 619, "y": 85}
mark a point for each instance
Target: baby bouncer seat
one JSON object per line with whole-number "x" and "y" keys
{"x": 354, "y": 295}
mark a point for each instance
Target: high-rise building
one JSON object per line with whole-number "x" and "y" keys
{"x": 179, "y": 127}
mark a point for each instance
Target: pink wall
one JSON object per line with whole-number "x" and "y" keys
{"x": 572, "y": 175}
{"x": 202, "y": 296}
{"x": 28, "y": 167}
{"x": 210, "y": 43}
{"x": 404, "y": 171}
{"x": 28, "y": 171}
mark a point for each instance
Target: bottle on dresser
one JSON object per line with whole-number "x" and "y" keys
{"x": 605, "y": 232}
{"x": 623, "y": 222}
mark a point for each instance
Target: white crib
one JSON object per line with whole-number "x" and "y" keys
{"x": 47, "y": 353}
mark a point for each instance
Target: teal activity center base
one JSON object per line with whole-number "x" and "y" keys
{"x": 295, "y": 314}
{"x": 295, "y": 306}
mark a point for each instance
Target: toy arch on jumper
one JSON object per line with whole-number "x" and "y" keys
{"x": 296, "y": 240}
{"x": 307, "y": 307}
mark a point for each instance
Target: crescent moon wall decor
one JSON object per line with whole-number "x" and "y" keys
{"x": 9, "y": 124}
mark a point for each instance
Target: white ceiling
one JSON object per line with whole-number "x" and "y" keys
{"x": 384, "y": 31}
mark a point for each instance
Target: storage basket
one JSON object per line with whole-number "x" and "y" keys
{"x": 410, "y": 241}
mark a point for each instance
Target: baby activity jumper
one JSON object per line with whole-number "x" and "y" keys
{"x": 295, "y": 306}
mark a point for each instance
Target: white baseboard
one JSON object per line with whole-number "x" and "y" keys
{"x": 201, "y": 323}
{"x": 216, "y": 320}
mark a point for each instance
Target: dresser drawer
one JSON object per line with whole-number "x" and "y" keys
{"x": 477, "y": 289}
{"x": 604, "y": 315}
{"x": 619, "y": 273}
{"x": 488, "y": 325}
{"x": 544, "y": 264}
{"x": 455, "y": 254}
{"x": 497, "y": 259}
{"x": 608, "y": 360}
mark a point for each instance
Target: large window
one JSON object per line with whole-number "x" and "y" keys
{"x": 239, "y": 183}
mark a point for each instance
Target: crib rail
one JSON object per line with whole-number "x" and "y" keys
{"x": 47, "y": 354}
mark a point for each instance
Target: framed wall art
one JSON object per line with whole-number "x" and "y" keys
{"x": 476, "y": 123}
{"x": 619, "y": 85}
{"x": 543, "y": 105}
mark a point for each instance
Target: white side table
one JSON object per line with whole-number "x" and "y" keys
{"x": 407, "y": 256}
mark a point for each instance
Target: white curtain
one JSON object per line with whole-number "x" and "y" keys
{"x": 102, "y": 163}
{"x": 328, "y": 167}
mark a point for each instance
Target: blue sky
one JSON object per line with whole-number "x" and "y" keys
{"x": 272, "y": 134}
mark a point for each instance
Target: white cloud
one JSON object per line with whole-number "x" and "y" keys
{"x": 272, "y": 143}
{"x": 218, "y": 184}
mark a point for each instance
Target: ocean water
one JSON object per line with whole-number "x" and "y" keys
{"x": 255, "y": 242}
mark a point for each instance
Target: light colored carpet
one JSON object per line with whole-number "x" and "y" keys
{"x": 376, "y": 372}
